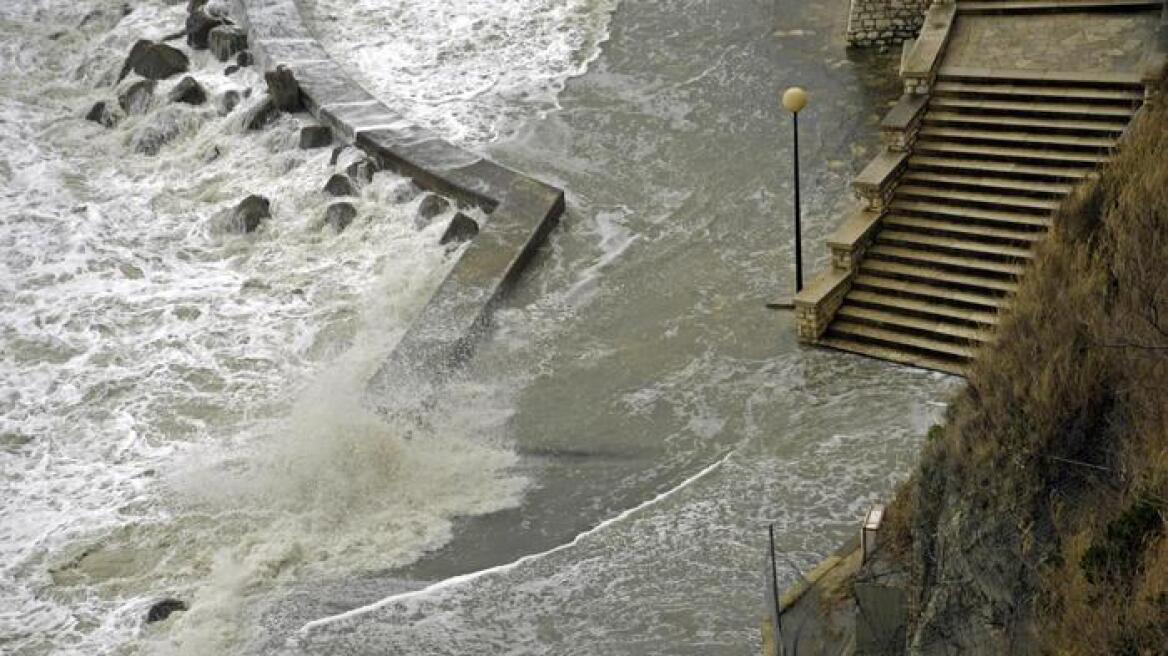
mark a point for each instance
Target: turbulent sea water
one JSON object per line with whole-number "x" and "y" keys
{"x": 182, "y": 408}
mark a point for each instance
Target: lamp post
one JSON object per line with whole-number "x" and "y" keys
{"x": 794, "y": 100}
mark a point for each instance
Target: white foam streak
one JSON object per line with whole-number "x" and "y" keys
{"x": 456, "y": 581}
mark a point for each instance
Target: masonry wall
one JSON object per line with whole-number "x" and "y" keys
{"x": 884, "y": 22}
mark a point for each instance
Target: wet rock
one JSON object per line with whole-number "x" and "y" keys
{"x": 228, "y": 101}
{"x": 102, "y": 114}
{"x": 284, "y": 89}
{"x": 225, "y": 41}
{"x": 260, "y": 115}
{"x": 315, "y": 136}
{"x": 249, "y": 214}
{"x": 150, "y": 139}
{"x": 199, "y": 26}
{"x": 188, "y": 91}
{"x": 403, "y": 191}
{"x": 340, "y": 185}
{"x": 164, "y": 609}
{"x": 336, "y": 155}
{"x": 244, "y": 59}
{"x": 231, "y": 70}
{"x": 339, "y": 215}
{"x": 431, "y": 206}
{"x": 462, "y": 228}
{"x": 154, "y": 61}
{"x": 361, "y": 172}
{"x": 136, "y": 98}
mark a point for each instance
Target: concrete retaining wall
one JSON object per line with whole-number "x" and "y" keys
{"x": 522, "y": 210}
{"x": 884, "y": 22}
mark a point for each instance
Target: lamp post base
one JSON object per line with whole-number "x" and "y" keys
{"x": 781, "y": 304}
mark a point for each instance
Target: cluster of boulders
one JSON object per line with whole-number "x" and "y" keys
{"x": 208, "y": 27}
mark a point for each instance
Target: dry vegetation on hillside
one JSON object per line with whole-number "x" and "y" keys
{"x": 1038, "y": 514}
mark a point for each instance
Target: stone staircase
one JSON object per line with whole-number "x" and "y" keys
{"x": 994, "y": 156}
{"x": 977, "y": 162}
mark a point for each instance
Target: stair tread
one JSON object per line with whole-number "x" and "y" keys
{"x": 907, "y": 358}
{"x": 960, "y": 227}
{"x": 998, "y": 166}
{"x": 971, "y": 213}
{"x": 1030, "y": 6}
{"x": 1097, "y": 78}
{"x": 931, "y": 257}
{"x": 897, "y": 337}
{"x": 1046, "y": 204}
{"x": 1061, "y": 92}
{"x": 1015, "y": 121}
{"x": 993, "y": 182}
{"x": 954, "y": 243}
{"x": 1094, "y": 158}
{"x": 923, "y": 307}
{"x": 1018, "y": 137}
{"x": 864, "y": 280}
{"x": 1036, "y": 107}
{"x": 940, "y": 327}
{"x": 933, "y": 274}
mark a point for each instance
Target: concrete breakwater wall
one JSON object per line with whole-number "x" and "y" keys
{"x": 884, "y": 22}
{"x": 522, "y": 210}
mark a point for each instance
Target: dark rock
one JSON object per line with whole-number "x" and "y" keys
{"x": 155, "y": 61}
{"x": 315, "y": 136}
{"x": 102, "y": 114}
{"x": 340, "y": 215}
{"x": 431, "y": 206}
{"x": 231, "y": 70}
{"x": 284, "y": 88}
{"x": 361, "y": 171}
{"x": 174, "y": 35}
{"x": 199, "y": 26}
{"x": 195, "y": 5}
{"x": 336, "y": 155}
{"x": 403, "y": 191}
{"x": 55, "y": 35}
{"x": 188, "y": 91}
{"x": 260, "y": 115}
{"x": 135, "y": 99}
{"x": 228, "y": 101}
{"x": 226, "y": 40}
{"x": 163, "y": 609}
{"x": 340, "y": 185}
{"x": 250, "y": 213}
{"x": 136, "y": 52}
{"x": 462, "y": 228}
{"x": 244, "y": 59}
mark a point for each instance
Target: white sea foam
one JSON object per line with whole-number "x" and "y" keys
{"x": 470, "y": 69}
{"x": 180, "y": 407}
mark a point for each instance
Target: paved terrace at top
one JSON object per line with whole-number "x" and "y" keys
{"x": 522, "y": 210}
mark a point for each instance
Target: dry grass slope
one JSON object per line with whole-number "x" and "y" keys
{"x": 1036, "y": 522}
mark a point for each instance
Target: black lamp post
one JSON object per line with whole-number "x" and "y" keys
{"x": 794, "y": 100}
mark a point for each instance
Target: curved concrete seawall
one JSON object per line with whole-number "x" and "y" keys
{"x": 522, "y": 210}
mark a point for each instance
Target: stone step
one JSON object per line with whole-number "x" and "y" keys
{"x": 1025, "y": 139}
{"x": 995, "y": 166}
{"x": 1020, "y": 185}
{"x": 923, "y": 273}
{"x": 997, "y": 216}
{"x": 927, "y": 257}
{"x": 895, "y": 319}
{"x": 963, "y": 228}
{"x": 869, "y": 281}
{"x": 969, "y": 246}
{"x": 934, "y": 308}
{"x": 896, "y": 337}
{"x": 1014, "y": 121}
{"x": 1007, "y": 153}
{"x": 1030, "y": 107}
{"x": 1093, "y": 79}
{"x": 1123, "y": 97}
{"x": 1052, "y": 6}
{"x": 963, "y": 196}
{"x": 899, "y": 356}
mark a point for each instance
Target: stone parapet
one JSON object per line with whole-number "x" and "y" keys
{"x": 848, "y": 243}
{"x": 875, "y": 184}
{"x": 522, "y": 211}
{"x": 883, "y": 23}
{"x": 922, "y": 57}
{"x": 899, "y": 128}
{"x": 817, "y": 304}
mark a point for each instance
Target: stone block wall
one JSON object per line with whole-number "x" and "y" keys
{"x": 884, "y": 23}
